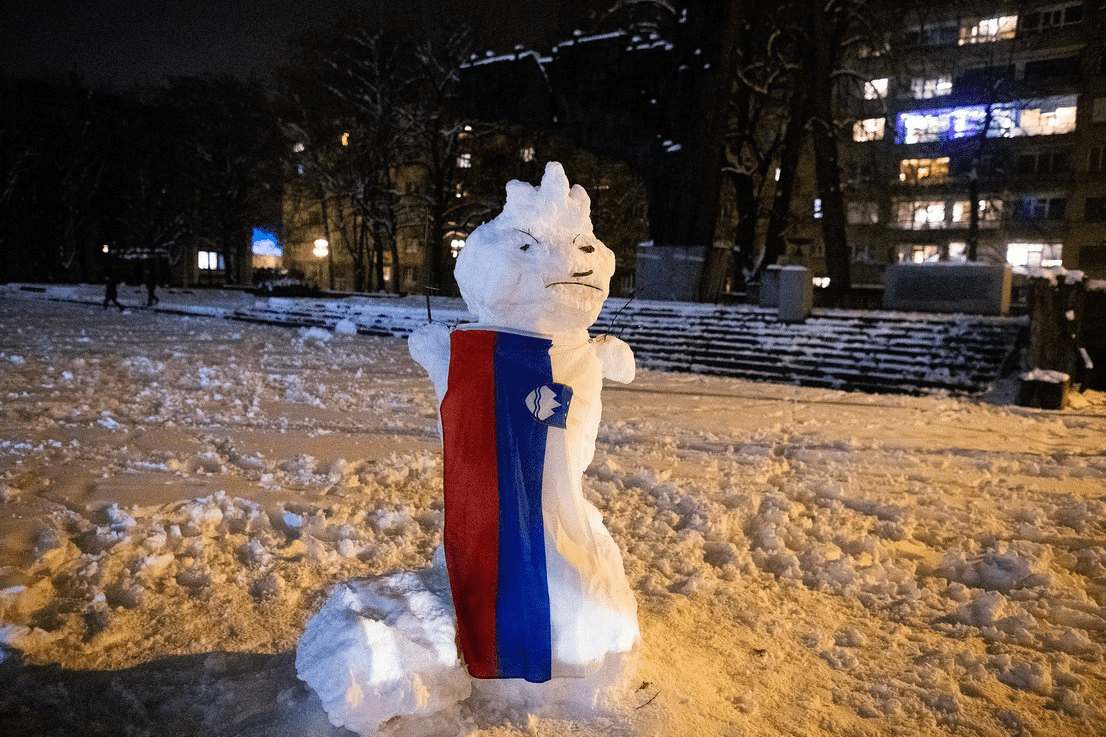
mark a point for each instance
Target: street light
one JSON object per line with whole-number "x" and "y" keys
{"x": 321, "y": 251}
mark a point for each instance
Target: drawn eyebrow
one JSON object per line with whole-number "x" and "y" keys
{"x": 574, "y": 238}
{"x": 527, "y": 232}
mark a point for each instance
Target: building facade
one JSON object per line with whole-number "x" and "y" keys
{"x": 978, "y": 132}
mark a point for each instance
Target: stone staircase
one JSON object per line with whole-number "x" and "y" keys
{"x": 882, "y": 352}
{"x": 371, "y": 316}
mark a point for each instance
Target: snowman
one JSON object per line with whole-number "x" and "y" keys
{"x": 528, "y": 579}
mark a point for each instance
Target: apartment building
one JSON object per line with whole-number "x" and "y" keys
{"x": 979, "y": 130}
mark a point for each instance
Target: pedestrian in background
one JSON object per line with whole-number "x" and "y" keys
{"x": 111, "y": 292}
{"x": 151, "y": 284}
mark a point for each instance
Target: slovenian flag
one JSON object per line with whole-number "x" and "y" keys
{"x": 499, "y": 407}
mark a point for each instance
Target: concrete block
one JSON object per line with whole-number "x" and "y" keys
{"x": 970, "y": 288}
{"x": 669, "y": 272}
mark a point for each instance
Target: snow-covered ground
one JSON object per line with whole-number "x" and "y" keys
{"x": 177, "y": 493}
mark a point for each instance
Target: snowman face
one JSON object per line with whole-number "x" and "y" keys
{"x": 536, "y": 281}
{"x": 537, "y": 268}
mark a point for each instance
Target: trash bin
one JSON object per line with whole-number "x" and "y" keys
{"x": 796, "y": 293}
{"x": 770, "y": 287}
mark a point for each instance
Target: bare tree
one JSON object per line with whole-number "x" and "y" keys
{"x": 764, "y": 139}
{"x": 791, "y": 59}
{"x": 435, "y": 131}
{"x": 228, "y": 144}
{"x": 389, "y": 100}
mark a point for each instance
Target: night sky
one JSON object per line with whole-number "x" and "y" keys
{"x": 126, "y": 42}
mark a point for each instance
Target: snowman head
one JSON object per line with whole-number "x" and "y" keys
{"x": 537, "y": 266}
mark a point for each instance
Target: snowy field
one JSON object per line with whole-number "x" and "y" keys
{"x": 177, "y": 493}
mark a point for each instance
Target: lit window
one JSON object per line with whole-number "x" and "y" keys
{"x": 961, "y": 212}
{"x": 924, "y": 170}
{"x": 345, "y": 139}
{"x": 1039, "y": 122}
{"x": 455, "y": 246}
{"x": 920, "y": 215}
{"x": 863, "y": 213}
{"x": 297, "y": 148}
{"x": 928, "y": 253}
{"x": 1034, "y": 255}
{"x": 1042, "y": 117}
{"x": 989, "y": 29}
{"x": 869, "y": 129}
{"x": 926, "y": 89}
{"x": 528, "y": 154}
{"x": 817, "y": 208}
{"x": 990, "y": 212}
{"x": 922, "y": 128}
{"x": 209, "y": 260}
{"x": 875, "y": 89}
{"x": 464, "y": 161}
{"x": 958, "y": 251}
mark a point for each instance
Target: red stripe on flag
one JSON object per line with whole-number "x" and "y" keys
{"x": 472, "y": 496}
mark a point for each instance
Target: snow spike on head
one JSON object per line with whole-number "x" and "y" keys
{"x": 553, "y": 195}
{"x": 554, "y": 183}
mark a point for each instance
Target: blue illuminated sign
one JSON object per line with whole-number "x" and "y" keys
{"x": 265, "y": 243}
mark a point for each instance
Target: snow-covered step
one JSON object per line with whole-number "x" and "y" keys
{"x": 874, "y": 352}
{"x": 885, "y": 352}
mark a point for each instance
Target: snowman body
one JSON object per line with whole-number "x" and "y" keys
{"x": 528, "y": 583}
{"x": 537, "y": 581}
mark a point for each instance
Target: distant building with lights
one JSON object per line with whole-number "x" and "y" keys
{"x": 973, "y": 130}
{"x": 1006, "y": 107}
{"x": 1000, "y": 104}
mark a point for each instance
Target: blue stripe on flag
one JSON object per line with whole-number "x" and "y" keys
{"x": 522, "y": 609}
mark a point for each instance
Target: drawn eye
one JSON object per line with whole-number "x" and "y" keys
{"x": 587, "y": 249}
{"x": 524, "y": 246}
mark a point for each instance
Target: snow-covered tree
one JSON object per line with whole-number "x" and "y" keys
{"x": 377, "y": 135}
{"x": 433, "y": 129}
{"x": 793, "y": 62}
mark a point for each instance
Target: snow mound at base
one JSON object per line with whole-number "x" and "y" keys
{"x": 384, "y": 647}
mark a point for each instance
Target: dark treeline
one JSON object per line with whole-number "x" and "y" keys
{"x": 87, "y": 175}
{"x": 360, "y": 140}
{"x": 363, "y": 134}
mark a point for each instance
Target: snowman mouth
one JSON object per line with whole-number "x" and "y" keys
{"x": 574, "y": 284}
{"x": 577, "y": 275}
